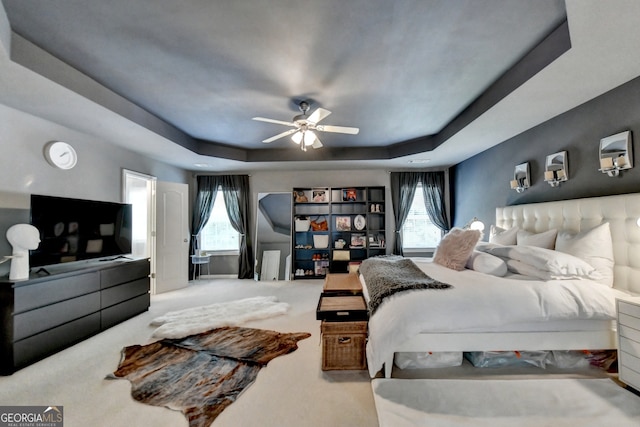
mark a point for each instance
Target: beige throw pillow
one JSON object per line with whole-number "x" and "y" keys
{"x": 456, "y": 247}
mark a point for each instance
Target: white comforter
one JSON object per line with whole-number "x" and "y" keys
{"x": 480, "y": 301}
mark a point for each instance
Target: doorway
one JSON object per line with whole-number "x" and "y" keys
{"x": 140, "y": 191}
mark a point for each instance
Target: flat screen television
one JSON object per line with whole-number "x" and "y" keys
{"x": 75, "y": 230}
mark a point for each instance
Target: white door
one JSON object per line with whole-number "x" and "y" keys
{"x": 172, "y": 236}
{"x": 140, "y": 191}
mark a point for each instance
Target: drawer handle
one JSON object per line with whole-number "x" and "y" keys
{"x": 344, "y": 340}
{"x": 342, "y": 313}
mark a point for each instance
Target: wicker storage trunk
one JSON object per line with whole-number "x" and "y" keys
{"x": 343, "y": 345}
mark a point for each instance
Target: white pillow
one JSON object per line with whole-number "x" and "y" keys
{"x": 595, "y": 246}
{"x": 559, "y": 265}
{"x": 503, "y": 237}
{"x": 546, "y": 239}
{"x": 487, "y": 263}
{"x": 456, "y": 246}
{"x": 519, "y": 267}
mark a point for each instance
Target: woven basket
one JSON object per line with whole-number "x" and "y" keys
{"x": 343, "y": 345}
{"x": 320, "y": 241}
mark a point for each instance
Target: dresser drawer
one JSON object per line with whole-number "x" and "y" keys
{"x": 629, "y": 346}
{"x": 117, "y": 294}
{"x": 629, "y": 377}
{"x": 56, "y": 290}
{"x": 629, "y": 332}
{"x": 38, "y": 320}
{"x": 628, "y": 308}
{"x": 629, "y": 360}
{"x": 125, "y": 272}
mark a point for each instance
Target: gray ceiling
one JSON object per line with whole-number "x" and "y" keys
{"x": 410, "y": 74}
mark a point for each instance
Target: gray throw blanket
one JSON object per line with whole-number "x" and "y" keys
{"x": 387, "y": 275}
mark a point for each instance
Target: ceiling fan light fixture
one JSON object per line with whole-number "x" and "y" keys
{"x": 304, "y": 126}
{"x": 309, "y": 137}
{"x": 297, "y": 137}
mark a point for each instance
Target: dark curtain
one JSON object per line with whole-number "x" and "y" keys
{"x": 433, "y": 191}
{"x": 207, "y": 188}
{"x": 403, "y": 188}
{"x": 235, "y": 189}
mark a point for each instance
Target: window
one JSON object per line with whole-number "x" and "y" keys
{"x": 218, "y": 234}
{"x": 418, "y": 232}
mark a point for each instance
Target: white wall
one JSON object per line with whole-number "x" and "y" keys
{"x": 24, "y": 170}
{"x": 97, "y": 176}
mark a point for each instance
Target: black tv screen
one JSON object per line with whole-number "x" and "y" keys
{"x": 74, "y": 230}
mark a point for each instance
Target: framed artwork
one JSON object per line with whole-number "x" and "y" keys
{"x": 357, "y": 240}
{"x": 319, "y": 195}
{"x": 343, "y": 223}
{"x": 349, "y": 195}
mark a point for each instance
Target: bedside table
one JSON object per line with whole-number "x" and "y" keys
{"x": 628, "y": 311}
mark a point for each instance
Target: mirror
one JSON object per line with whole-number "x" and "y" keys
{"x": 556, "y": 169}
{"x": 273, "y": 236}
{"x": 615, "y": 153}
{"x": 521, "y": 179}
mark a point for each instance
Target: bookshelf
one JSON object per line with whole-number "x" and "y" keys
{"x": 354, "y": 229}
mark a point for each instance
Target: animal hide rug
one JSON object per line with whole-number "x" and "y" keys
{"x": 178, "y": 324}
{"x": 201, "y": 374}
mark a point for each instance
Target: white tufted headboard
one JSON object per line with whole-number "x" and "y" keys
{"x": 621, "y": 212}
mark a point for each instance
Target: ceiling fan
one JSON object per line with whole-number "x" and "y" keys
{"x": 304, "y": 126}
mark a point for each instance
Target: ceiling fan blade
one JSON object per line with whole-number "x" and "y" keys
{"x": 338, "y": 129}
{"x": 316, "y": 143}
{"x": 318, "y": 115}
{"x": 280, "y": 135}
{"x": 278, "y": 122}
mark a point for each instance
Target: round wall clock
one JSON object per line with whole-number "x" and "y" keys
{"x": 60, "y": 155}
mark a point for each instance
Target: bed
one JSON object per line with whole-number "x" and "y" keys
{"x": 481, "y": 312}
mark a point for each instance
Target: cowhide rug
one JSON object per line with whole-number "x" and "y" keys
{"x": 202, "y": 374}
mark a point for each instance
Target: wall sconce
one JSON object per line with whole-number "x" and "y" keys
{"x": 521, "y": 180}
{"x": 556, "y": 169}
{"x": 615, "y": 153}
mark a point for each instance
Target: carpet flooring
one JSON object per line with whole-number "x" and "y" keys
{"x": 504, "y": 403}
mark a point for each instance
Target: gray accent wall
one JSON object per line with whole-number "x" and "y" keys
{"x": 481, "y": 183}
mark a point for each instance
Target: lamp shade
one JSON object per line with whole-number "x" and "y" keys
{"x": 297, "y": 137}
{"x": 606, "y": 163}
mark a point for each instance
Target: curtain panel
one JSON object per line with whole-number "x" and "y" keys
{"x": 206, "y": 191}
{"x": 433, "y": 191}
{"x": 403, "y": 188}
{"x": 235, "y": 189}
{"x": 236, "y": 193}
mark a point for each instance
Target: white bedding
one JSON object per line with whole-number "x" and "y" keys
{"x": 481, "y": 302}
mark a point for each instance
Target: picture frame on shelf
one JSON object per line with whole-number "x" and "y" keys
{"x": 319, "y": 195}
{"x": 343, "y": 223}
{"x": 349, "y": 195}
{"x": 358, "y": 240}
